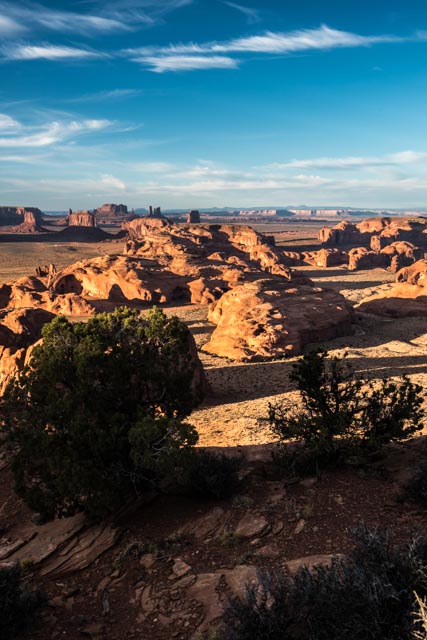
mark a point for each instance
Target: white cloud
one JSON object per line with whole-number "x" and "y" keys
{"x": 9, "y": 27}
{"x": 46, "y": 52}
{"x": 113, "y": 94}
{"x": 109, "y": 17}
{"x": 252, "y": 15}
{"x": 354, "y": 162}
{"x": 53, "y": 132}
{"x": 154, "y": 167}
{"x": 112, "y": 182}
{"x": 270, "y": 42}
{"x": 33, "y": 14}
{"x": 162, "y": 63}
{"x": 8, "y": 124}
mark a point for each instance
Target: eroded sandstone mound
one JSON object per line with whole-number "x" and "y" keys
{"x": 225, "y": 244}
{"x": 19, "y": 330}
{"x": 271, "y": 318}
{"x": 376, "y": 233}
{"x": 120, "y": 279}
{"x": 408, "y": 297}
{"x": 31, "y": 292}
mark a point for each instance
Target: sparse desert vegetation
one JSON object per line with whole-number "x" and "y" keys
{"x": 201, "y": 541}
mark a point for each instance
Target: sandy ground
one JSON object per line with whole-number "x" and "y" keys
{"x": 235, "y": 411}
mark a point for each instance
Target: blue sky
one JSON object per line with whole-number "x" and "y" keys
{"x": 199, "y": 103}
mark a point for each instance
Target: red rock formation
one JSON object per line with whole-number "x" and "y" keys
{"x": 32, "y": 292}
{"x": 376, "y": 232}
{"x": 19, "y": 330}
{"x": 193, "y": 217}
{"x": 408, "y": 297}
{"x": 140, "y": 227}
{"x": 414, "y": 274}
{"x": 343, "y": 233}
{"x": 362, "y": 258}
{"x": 120, "y": 279}
{"x": 325, "y": 258}
{"x": 271, "y": 318}
{"x": 81, "y": 219}
{"x": 31, "y": 222}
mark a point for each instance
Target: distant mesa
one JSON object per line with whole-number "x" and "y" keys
{"x": 113, "y": 213}
{"x": 21, "y": 219}
{"x": 154, "y": 212}
{"x": 266, "y": 213}
{"x": 193, "y": 217}
{"x": 81, "y": 219}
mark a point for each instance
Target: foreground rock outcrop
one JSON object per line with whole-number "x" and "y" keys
{"x": 269, "y": 318}
{"x": 31, "y": 292}
{"x": 19, "y": 330}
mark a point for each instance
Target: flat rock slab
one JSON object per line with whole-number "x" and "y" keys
{"x": 250, "y": 527}
{"x": 204, "y": 590}
{"x": 207, "y": 525}
{"x": 239, "y": 578}
{"x": 46, "y": 539}
{"x": 310, "y": 562}
{"x": 87, "y": 548}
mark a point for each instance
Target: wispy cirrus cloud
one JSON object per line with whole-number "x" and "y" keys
{"x": 323, "y": 38}
{"x": 113, "y": 94}
{"x": 355, "y": 162}
{"x": 102, "y": 17}
{"x": 178, "y": 56}
{"x": 9, "y": 26}
{"x": 252, "y": 15}
{"x": 112, "y": 182}
{"x": 163, "y": 63}
{"x": 8, "y": 124}
{"x": 52, "y": 133}
{"x": 47, "y": 52}
{"x": 29, "y": 15}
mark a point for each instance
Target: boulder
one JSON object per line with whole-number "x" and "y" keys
{"x": 271, "y": 318}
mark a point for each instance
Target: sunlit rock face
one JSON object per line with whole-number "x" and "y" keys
{"x": 271, "y": 318}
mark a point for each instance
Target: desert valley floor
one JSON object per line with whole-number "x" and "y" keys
{"x": 166, "y": 567}
{"x": 234, "y": 413}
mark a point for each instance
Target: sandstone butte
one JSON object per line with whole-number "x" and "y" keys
{"x": 270, "y": 317}
{"x": 376, "y": 233}
{"x": 408, "y": 297}
{"x": 262, "y": 308}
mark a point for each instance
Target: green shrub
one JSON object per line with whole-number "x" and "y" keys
{"x": 17, "y": 605}
{"x": 266, "y": 612}
{"x": 211, "y": 476}
{"x": 99, "y": 412}
{"x": 370, "y": 594}
{"x": 341, "y": 416}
